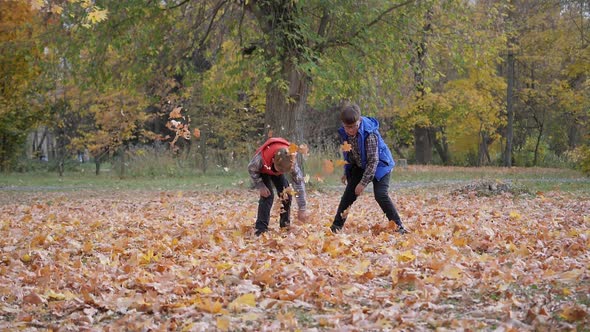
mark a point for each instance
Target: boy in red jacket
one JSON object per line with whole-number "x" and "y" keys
{"x": 268, "y": 167}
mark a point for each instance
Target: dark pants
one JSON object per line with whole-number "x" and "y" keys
{"x": 265, "y": 203}
{"x": 380, "y": 190}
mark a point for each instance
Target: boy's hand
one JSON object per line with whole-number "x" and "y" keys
{"x": 359, "y": 189}
{"x": 264, "y": 192}
{"x": 343, "y": 179}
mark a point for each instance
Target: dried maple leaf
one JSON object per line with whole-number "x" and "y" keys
{"x": 197, "y": 133}
{"x": 293, "y": 148}
{"x": 346, "y": 147}
{"x": 175, "y": 114}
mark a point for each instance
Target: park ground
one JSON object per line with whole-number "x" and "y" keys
{"x": 488, "y": 249}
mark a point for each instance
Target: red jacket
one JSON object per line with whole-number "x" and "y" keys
{"x": 268, "y": 150}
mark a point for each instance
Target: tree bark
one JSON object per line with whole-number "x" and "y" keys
{"x": 422, "y": 145}
{"x": 510, "y": 77}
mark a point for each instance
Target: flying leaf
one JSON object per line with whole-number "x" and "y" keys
{"x": 303, "y": 150}
{"x": 327, "y": 166}
{"x": 293, "y": 148}
{"x": 340, "y": 162}
{"x": 175, "y": 114}
{"x": 196, "y": 133}
{"x": 346, "y": 147}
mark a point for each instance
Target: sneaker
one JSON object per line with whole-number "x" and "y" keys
{"x": 402, "y": 230}
{"x": 261, "y": 231}
{"x": 285, "y": 224}
{"x": 335, "y": 229}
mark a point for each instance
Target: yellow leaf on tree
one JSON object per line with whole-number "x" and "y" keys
{"x": 346, "y": 147}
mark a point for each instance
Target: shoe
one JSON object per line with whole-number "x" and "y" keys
{"x": 335, "y": 229}
{"x": 402, "y": 230}
{"x": 285, "y": 224}
{"x": 261, "y": 231}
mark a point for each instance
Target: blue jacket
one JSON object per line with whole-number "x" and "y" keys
{"x": 367, "y": 126}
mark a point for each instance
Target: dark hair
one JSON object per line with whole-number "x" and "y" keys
{"x": 350, "y": 113}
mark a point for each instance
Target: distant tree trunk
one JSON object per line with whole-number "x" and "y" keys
{"x": 441, "y": 145}
{"x": 122, "y": 161}
{"x": 422, "y": 140}
{"x": 422, "y": 145}
{"x": 537, "y": 144}
{"x": 510, "y": 76}
{"x": 483, "y": 155}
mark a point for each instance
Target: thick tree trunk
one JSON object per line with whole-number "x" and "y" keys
{"x": 422, "y": 141}
{"x": 285, "y": 109}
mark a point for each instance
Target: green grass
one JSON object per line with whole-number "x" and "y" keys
{"x": 411, "y": 178}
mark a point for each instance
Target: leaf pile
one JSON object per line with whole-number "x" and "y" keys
{"x": 190, "y": 262}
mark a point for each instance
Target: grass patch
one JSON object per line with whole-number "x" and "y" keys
{"x": 411, "y": 178}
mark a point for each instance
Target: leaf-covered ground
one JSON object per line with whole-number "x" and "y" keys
{"x": 188, "y": 261}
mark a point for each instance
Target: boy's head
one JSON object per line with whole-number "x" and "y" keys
{"x": 350, "y": 115}
{"x": 283, "y": 160}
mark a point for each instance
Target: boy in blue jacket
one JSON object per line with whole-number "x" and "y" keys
{"x": 369, "y": 160}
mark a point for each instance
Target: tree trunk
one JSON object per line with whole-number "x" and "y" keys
{"x": 422, "y": 145}
{"x": 510, "y": 76}
{"x": 536, "y": 158}
{"x": 285, "y": 109}
{"x": 422, "y": 141}
{"x": 441, "y": 146}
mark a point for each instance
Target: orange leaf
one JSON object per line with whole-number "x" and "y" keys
{"x": 196, "y": 133}
{"x": 346, "y": 147}
{"x": 175, "y": 114}
{"x": 327, "y": 166}
{"x": 293, "y": 148}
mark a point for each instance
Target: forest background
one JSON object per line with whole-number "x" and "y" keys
{"x": 181, "y": 87}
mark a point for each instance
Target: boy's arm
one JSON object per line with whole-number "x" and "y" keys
{"x": 254, "y": 169}
{"x": 372, "y": 159}
{"x": 299, "y": 186}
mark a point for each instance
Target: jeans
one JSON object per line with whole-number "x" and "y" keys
{"x": 380, "y": 190}
{"x": 265, "y": 203}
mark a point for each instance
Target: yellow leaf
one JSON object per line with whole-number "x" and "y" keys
{"x": 209, "y": 306}
{"x": 515, "y": 215}
{"x": 361, "y": 267}
{"x": 244, "y": 300}
{"x": 51, "y": 295}
{"x": 406, "y": 256}
{"x": 452, "y": 272}
{"x": 223, "y": 323}
{"x": 204, "y": 290}
{"x": 97, "y": 15}
{"x": 340, "y": 162}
